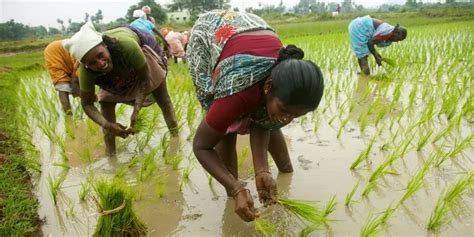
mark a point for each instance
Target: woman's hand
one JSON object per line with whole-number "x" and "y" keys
{"x": 117, "y": 129}
{"x": 244, "y": 204}
{"x": 266, "y": 188}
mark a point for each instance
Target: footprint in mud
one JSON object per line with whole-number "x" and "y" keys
{"x": 320, "y": 142}
{"x": 304, "y": 163}
{"x": 192, "y": 217}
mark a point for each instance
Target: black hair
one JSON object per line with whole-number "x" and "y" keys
{"x": 401, "y": 31}
{"x": 296, "y": 82}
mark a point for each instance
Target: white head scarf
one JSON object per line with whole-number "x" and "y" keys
{"x": 139, "y": 14}
{"x": 83, "y": 41}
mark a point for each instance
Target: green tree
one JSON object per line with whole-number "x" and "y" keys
{"x": 97, "y": 17}
{"x": 12, "y": 30}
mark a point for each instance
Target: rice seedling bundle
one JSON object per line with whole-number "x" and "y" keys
{"x": 115, "y": 209}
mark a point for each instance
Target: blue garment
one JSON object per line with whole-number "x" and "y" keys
{"x": 361, "y": 30}
{"x": 143, "y": 24}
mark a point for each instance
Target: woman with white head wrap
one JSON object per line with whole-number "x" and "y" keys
{"x": 123, "y": 63}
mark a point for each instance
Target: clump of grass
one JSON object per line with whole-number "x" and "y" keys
{"x": 116, "y": 213}
{"x": 447, "y": 200}
{"x": 416, "y": 181}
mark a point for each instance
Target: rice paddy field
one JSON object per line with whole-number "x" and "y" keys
{"x": 390, "y": 154}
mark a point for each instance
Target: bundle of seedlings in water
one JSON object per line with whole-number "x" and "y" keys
{"x": 115, "y": 209}
{"x": 448, "y": 200}
{"x": 304, "y": 210}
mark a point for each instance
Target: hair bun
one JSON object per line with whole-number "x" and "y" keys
{"x": 289, "y": 52}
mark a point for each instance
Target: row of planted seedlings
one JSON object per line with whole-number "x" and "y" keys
{"x": 421, "y": 104}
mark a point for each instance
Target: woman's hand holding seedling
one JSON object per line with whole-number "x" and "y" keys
{"x": 244, "y": 204}
{"x": 117, "y": 129}
{"x": 266, "y": 188}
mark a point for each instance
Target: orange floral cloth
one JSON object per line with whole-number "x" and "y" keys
{"x": 59, "y": 62}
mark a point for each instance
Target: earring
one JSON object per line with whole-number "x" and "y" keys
{"x": 266, "y": 91}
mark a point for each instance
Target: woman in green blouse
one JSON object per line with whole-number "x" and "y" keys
{"x": 127, "y": 64}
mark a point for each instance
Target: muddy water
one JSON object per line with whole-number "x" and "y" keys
{"x": 321, "y": 164}
{"x": 321, "y": 169}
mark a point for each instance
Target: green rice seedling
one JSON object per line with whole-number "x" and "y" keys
{"x": 416, "y": 181}
{"x": 423, "y": 140}
{"x": 174, "y": 161}
{"x": 363, "y": 121}
{"x": 370, "y": 186}
{"x": 185, "y": 175}
{"x": 92, "y": 127}
{"x": 438, "y": 217}
{"x": 387, "y": 214}
{"x": 264, "y": 227}
{"x": 341, "y": 128}
{"x": 164, "y": 144}
{"x": 160, "y": 184}
{"x": 85, "y": 155}
{"x": 442, "y": 133}
{"x": 349, "y": 196}
{"x": 308, "y": 230}
{"x": 55, "y": 186}
{"x": 242, "y": 157}
{"x": 63, "y": 165}
{"x": 364, "y": 155}
{"x": 447, "y": 200}
{"x": 404, "y": 147}
{"x": 304, "y": 210}
{"x": 372, "y": 227}
{"x": 84, "y": 191}
{"x": 116, "y": 215}
{"x": 316, "y": 124}
{"x": 389, "y": 62}
{"x": 458, "y": 148}
{"x": 209, "y": 179}
{"x": 70, "y": 212}
{"x": 148, "y": 166}
{"x": 330, "y": 207}
{"x": 121, "y": 171}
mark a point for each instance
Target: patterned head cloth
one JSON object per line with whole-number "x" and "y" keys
{"x": 83, "y": 41}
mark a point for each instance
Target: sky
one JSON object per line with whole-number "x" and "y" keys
{"x": 45, "y": 12}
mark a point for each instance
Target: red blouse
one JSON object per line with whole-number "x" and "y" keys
{"x": 223, "y": 112}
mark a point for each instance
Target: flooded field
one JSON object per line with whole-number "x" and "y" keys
{"x": 400, "y": 140}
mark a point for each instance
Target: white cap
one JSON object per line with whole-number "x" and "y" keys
{"x": 83, "y": 41}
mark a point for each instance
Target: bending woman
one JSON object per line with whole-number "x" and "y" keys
{"x": 127, "y": 65}
{"x": 248, "y": 83}
{"x": 62, "y": 68}
{"x": 366, "y": 32}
